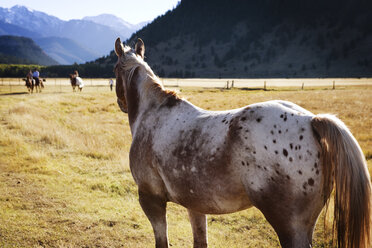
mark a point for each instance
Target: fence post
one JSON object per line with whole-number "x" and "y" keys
{"x": 264, "y": 85}
{"x": 232, "y": 84}
{"x": 302, "y": 86}
{"x": 334, "y": 85}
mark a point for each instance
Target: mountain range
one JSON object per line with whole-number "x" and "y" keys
{"x": 122, "y": 27}
{"x": 66, "y": 42}
{"x": 14, "y": 50}
{"x": 267, "y": 38}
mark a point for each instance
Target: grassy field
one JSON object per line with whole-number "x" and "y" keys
{"x": 65, "y": 179}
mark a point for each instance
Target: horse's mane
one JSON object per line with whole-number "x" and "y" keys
{"x": 154, "y": 87}
{"x": 151, "y": 85}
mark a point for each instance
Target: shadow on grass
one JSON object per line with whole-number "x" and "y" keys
{"x": 13, "y": 93}
{"x": 254, "y": 89}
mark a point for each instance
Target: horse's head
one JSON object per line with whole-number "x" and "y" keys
{"x": 125, "y": 69}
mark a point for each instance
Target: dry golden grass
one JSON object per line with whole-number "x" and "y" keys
{"x": 65, "y": 179}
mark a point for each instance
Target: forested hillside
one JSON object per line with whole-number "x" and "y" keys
{"x": 22, "y": 50}
{"x": 266, "y": 38}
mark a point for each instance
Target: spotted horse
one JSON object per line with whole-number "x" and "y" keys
{"x": 275, "y": 156}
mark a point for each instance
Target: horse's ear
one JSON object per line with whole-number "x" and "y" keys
{"x": 140, "y": 48}
{"x": 119, "y": 49}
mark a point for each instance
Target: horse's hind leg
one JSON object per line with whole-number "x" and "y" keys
{"x": 199, "y": 228}
{"x": 293, "y": 221}
{"x": 294, "y": 236}
{"x": 290, "y": 210}
{"x": 155, "y": 210}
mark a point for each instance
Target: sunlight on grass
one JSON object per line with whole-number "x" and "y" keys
{"x": 65, "y": 177}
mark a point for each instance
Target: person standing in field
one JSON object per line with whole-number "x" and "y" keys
{"x": 111, "y": 83}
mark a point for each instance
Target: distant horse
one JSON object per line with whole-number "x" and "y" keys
{"x": 76, "y": 81}
{"x": 29, "y": 84}
{"x": 39, "y": 84}
{"x": 73, "y": 81}
{"x": 32, "y": 83}
{"x": 274, "y": 155}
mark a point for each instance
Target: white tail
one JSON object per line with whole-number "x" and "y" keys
{"x": 345, "y": 170}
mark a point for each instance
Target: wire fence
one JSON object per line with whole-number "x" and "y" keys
{"x": 14, "y": 85}
{"x": 265, "y": 83}
{"x": 54, "y": 85}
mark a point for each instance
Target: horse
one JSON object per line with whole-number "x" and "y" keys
{"x": 275, "y": 156}
{"x": 29, "y": 83}
{"x": 39, "y": 84}
{"x": 76, "y": 81}
{"x": 73, "y": 81}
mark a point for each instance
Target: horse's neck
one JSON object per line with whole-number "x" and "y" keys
{"x": 145, "y": 96}
{"x": 133, "y": 98}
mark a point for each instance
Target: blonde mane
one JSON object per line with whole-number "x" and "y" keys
{"x": 151, "y": 86}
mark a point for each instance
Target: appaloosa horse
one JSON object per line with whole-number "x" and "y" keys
{"x": 275, "y": 156}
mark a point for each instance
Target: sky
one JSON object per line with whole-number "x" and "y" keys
{"x": 132, "y": 11}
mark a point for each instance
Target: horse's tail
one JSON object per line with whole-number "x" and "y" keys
{"x": 345, "y": 169}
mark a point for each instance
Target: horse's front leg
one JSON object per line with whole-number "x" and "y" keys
{"x": 155, "y": 210}
{"x": 199, "y": 228}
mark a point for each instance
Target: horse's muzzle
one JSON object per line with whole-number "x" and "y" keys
{"x": 122, "y": 106}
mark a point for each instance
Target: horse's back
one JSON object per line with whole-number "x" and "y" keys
{"x": 231, "y": 159}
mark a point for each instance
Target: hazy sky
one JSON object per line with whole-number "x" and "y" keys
{"x": 133, "y": 11}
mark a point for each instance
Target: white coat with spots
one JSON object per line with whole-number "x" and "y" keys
{"x": 275, "y": 156}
